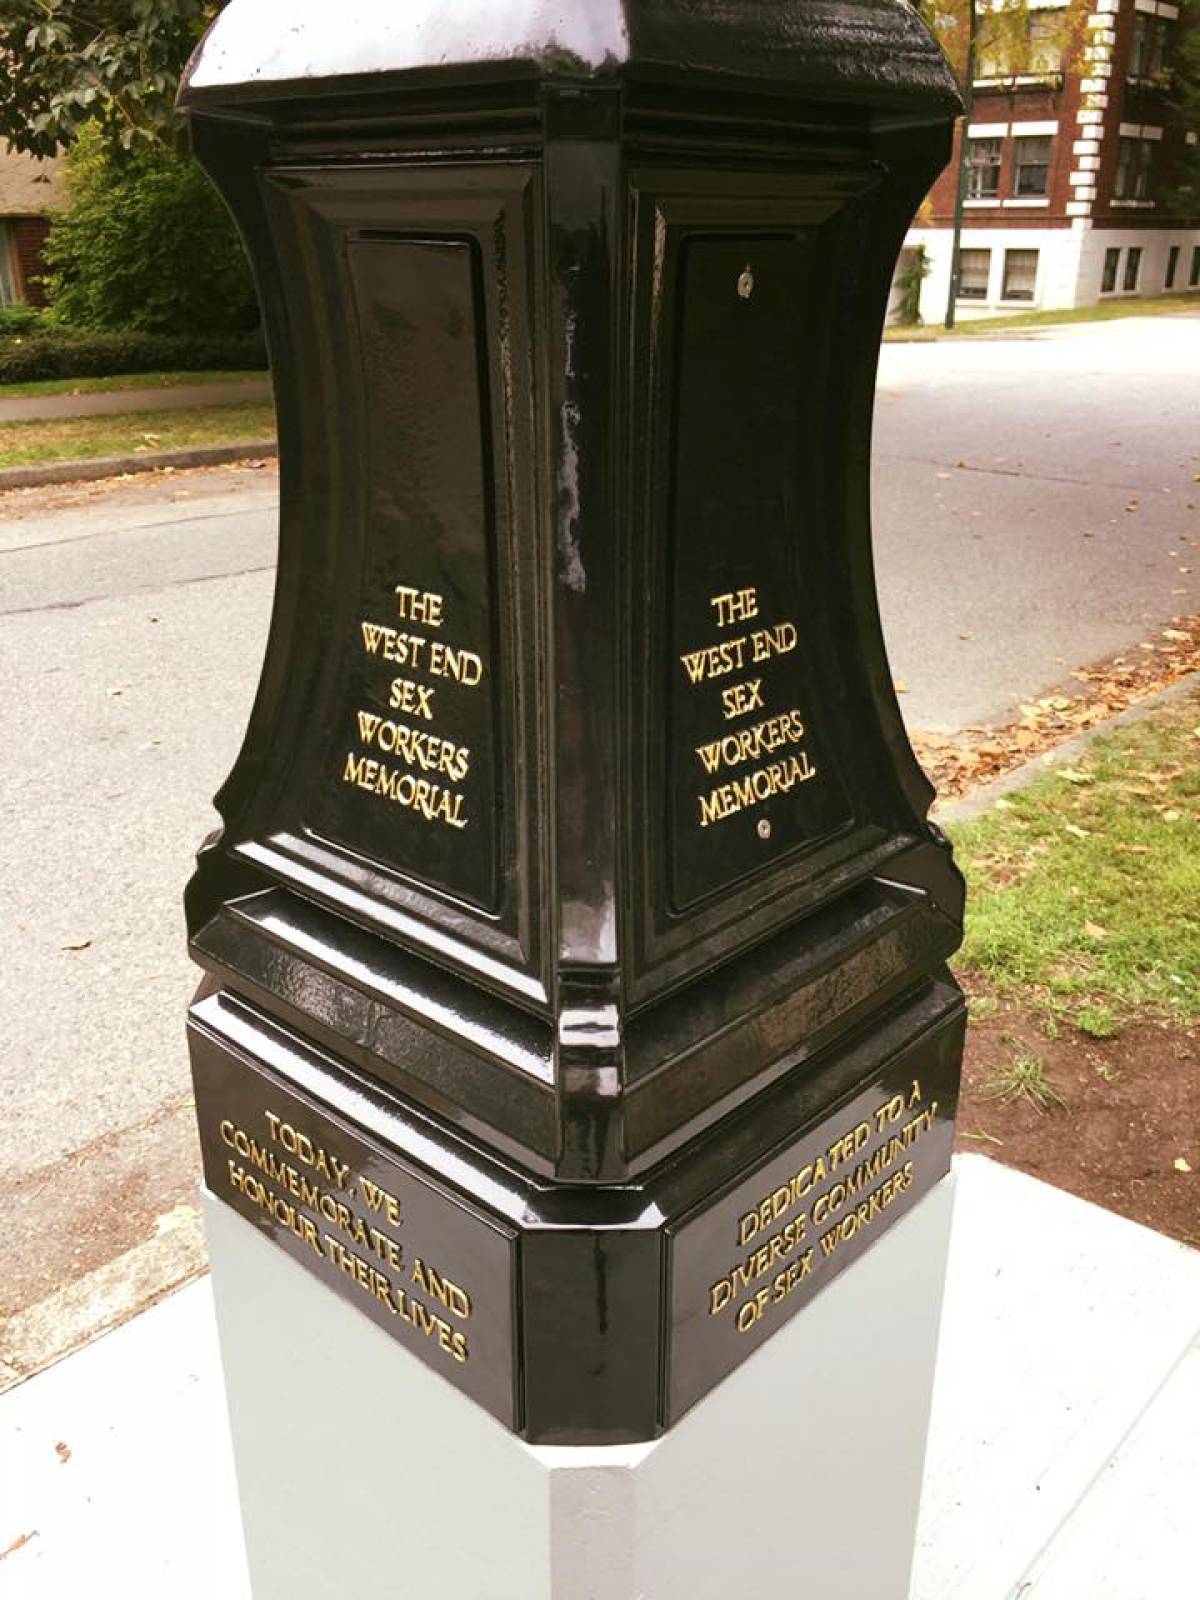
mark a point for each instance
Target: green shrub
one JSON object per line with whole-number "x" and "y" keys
{"x": 909, "y": 283}
{"x": 145, "y": 244}
{"x": 19, "y": 318}
{"x": 62, "y": 354}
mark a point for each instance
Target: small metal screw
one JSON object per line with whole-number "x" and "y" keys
{"x": 764, "y": 829}
{"x": 746, "y": 283}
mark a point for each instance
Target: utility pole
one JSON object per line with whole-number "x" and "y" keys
{"x": 960, "y": 197}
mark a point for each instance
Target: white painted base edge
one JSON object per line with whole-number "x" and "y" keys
{"x": 364, "y": 1475}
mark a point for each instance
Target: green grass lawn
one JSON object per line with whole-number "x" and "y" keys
{"x": 25, "y": 444}
{"x": 1106, "y": 311}
{"x": 139, "y": 380}
{"x": 1085, "y": 886}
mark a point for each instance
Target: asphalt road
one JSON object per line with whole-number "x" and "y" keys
{"x": 1037, "y": 494}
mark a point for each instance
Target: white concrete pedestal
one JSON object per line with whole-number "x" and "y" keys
{"x": 365, "y": 1476}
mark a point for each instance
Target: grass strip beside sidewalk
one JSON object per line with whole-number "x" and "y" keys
{"x": 1103, "y": 311}
{"x": 1085, "y": 887}
{"x": 24, "y": 444}
{"x": 1082, "y": 967}
{"x": 137, "y": 380}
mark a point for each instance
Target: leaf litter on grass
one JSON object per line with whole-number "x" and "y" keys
{"x": 956, "y": 763}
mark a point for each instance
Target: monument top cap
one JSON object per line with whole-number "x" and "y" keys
{"x": 875, "y": 50}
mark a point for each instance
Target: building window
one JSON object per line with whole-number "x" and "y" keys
{"x": 9, "y": 287}
{"x": 1047, "y": 41}
{"x": 1134, "y": 160}
{"x": 1031, "y": 164}
{"x": 1172, "y": 262}
{"x": 1020, "y": 274}
{"x": 994, "y": 51}
{"x": 1010, "y": 45}
{"x": 1194, "y": 275}
{"x": 1133, "y": 267}
{"x": 1151, "y": 46}
{"x": 974, "y": 270}
{"x": 1112, "y": 263}
{"x": 983, "y": 168}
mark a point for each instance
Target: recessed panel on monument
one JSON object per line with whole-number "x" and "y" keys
{"x": 412, "y": 767}
{"x": 752, "y": 773}
{"x": 386, "y": 770}
{"x": 575, "y": 1000}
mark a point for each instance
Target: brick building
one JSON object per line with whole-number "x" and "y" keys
{"x": 29, "y": 191}
{"x": 1068, "y": 165}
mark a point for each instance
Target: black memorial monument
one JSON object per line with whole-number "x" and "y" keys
{"x": 575, "y": 997}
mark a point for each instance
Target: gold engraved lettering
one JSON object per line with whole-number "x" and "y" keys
{"x": 381, "y": 1202}
{"x": 300, "y": 1145}
{"x": 778, "y": 641}
{"x": 771, "y": 735}
{"x": 741, "y": 699}
{"x": 464, "y": 666}
{"x": 414, "y": 699}
{"x": 715, "y": 660}
{"x": 761, "y": 785}
{"x": 457, "y": 669}
{"x": 740, "y": 606}
{"x": 414, "y": 746}
{"x": 429, "y": 800}
{"x": 290, "y": 1198}
{"x": 405, "y": 649}
{"x": 823, "y": 1205}
{"x": 417, "y": 605}
{"x": 751, "y": 744}
{"x": 442, "y": 1288}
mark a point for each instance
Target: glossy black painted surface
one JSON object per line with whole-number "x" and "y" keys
{"x": 575, "y": 1316}
{"x": 576, "y": 822}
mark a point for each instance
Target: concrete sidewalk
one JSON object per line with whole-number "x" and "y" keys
{"x": 1063, "y": 1464}
{"x": 111, "y": 402}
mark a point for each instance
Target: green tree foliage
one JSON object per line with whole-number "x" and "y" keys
{"x": 113, "y": 63}
{"x": 1184, "y": 194}
{"x": 1012, "y": 38}
{"x": 145, "y": 244}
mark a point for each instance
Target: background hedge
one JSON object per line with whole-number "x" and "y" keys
{"x": 61, "y": 354}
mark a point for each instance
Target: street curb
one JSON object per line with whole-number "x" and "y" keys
{"x": 200, "y": 455}
{"x": 969, "y": 806}
{"x": 79, "y": 1312}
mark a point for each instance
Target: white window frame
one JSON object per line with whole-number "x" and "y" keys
{"x": 1020, "y": 300}
{"x": 977, "y": 249}
{"x": 10, "y": 275}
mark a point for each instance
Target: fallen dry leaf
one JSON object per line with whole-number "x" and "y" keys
{"x": 63, "y": 1451}
{"x": 76, "y": 944}
{"x": 21, "y": 1540}
{"x": 980, "y": 753}
{"x": 1095, "y": 931}
{"x": 1080, "y": 833}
